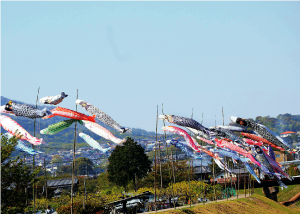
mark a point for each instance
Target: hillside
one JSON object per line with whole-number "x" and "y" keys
{"x": 65, "y": 138}
{"x": 282, "y": 123}
{"x": 250, "y": 205}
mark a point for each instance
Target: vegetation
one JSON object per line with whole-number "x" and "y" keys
{"x": 128, "y": 162}
{"x": 250, "y": 205}
{"x": 15, "y": 177}
{"x": 282, "y": 123}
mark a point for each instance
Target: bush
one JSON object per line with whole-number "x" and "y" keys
{"x": 90, "y": 207}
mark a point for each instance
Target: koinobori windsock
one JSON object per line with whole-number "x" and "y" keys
{"x": 103, "y": 132}
{"x": 186, "y": 122}
{"x": 260, "y": 155}
{"x": 188, "y": 139}
{"x": 3, "y": 110}
{"x": 21, "y": 146}
{"x": 262, "y": 130}
{"x": 54, "y": 100}
{"x": 25, "y": 110}
{"x": 92, "y": 142}
{"x": 57, "y": 127}
{"x": 104, "y": 118}
{"x": 64, "y": 112}
{"x": 15, "y": 129}
{"x": 183, "y": 147}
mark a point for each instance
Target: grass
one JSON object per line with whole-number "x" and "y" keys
{"x": 251, "y": 205}
{"x": 286, "y": 194}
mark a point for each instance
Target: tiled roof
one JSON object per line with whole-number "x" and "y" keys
{"x": 61, "y": 182}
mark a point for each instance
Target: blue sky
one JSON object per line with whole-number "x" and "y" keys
{"x": 128, "y": 57}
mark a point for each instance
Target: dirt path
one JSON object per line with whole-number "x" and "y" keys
{"x": 187, "y": 206}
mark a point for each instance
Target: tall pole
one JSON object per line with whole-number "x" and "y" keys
{"x": 33, "y": 159}
{"x": 155, "y": 160}
{"x": 190, "y": 171}
{"x": 73, "y": 165}
{"x": 249, "y": 183}
{"x": 244, "y": 181}
{"x": 160, "y": 170}
{"x": 45, "y": 179}
{"x": 190, "y": 185}
{"x": 170, "y": 174}
{"x": 214, "y": 179}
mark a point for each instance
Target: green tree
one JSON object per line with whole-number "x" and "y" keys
{"x": 15, "y": 178}
{"x": 181, "y": 169}
{"x": 128, "y": 163}
{"x": 83, "y": 166}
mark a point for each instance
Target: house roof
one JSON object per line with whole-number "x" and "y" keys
{"x": 61, "y": 182}
{"x": 288, "y": 132}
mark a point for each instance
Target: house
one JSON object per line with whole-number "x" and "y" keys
{"x": 223, "y": 176}
{"x": 59, "y": 185}
{"x": 280, "y": 156}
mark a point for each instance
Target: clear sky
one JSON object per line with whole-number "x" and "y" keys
{"x": 128, "y": 57}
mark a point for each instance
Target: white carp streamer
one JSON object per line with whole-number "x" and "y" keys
{"x": 15, "y": 129}
{"x": 92, "y": 142}
{"x": 102, "y": 132}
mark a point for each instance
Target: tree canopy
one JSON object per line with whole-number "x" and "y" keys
{"x": 15, "y": 178}
{"x": 128, "y": 162}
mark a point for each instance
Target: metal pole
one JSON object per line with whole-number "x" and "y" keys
{"x": 73, "y": 165}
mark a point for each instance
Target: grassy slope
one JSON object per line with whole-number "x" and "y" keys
{"x": 251, "y": 205}
{"x": 286, "y": 194}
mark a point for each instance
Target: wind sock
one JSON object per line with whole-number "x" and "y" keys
{"x": 54, "y": 100}
{"x": 92, "y": 142}
{"x": 184, "y": 148}
{"x": 21, "y": 146}
{"x": 263, "y": 131}
{"x": 235, "y": 129}
{"x": 231, "y": 136}
{"x": 204, "y": 140}
{"x": 57, "y": 127}
{"x": 222, "y": 165}
{"x": 188, "y": 139}
{"x": 15, "y": 129}
{"x": 107, "y": 120}
{"x": 260, "y": 155}
{"x": 271, "y": 152}
{"x": 236, "y": 157}
{"x": 3, "y": 110}
{"x": 252, "y": 142}
{"x": 261, "y": 139}
{"x": 26, "y": 110}
{"x": 231, "y": 146}
{"x": 199, "y": 133}
{"x": 64, "y": 112}
{"x": 186, "y": 122}
{"x": 103, "y": 132}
